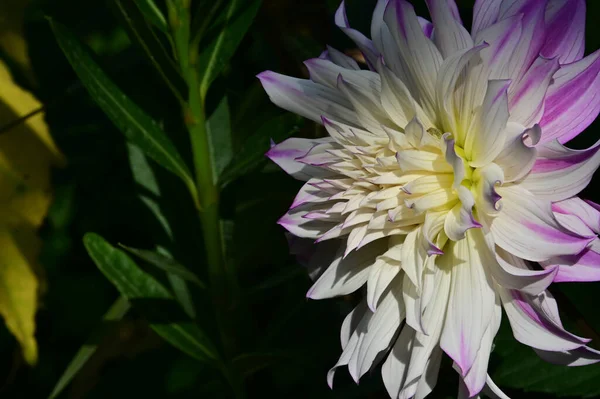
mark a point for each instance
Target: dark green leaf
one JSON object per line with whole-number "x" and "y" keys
{"x": 153, "y": 14}
{"x": 145, "y": 177}
{"x": 138, "y": 127}
{"x": 151, "y": 298}
{"x": 250, "y": 363}
{"x": 252, "y": 153}
{"x": 144, "y": 36}
{"x": 165, "y": 263}
{"x": 115, "y": 313}
{"x": 218, "y": 129}
{"x": 224, "y": 38}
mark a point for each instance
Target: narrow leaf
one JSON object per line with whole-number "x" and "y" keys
{"x": 218, "y": 128}
{"x": 165, "y": 263}
{"x": 135, "y": 124}
{"x": 144, "y": 36}
{"x": 224, "y": 39}
{"x": 151, "y": 298}
{"x": 153, "y": 14}
{"x": 115, "y": 313}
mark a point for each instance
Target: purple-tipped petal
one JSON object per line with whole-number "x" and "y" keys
{"x": 573, "y": 100}
{"x": 565, "y": 20}
{"x": 286, "y": 154}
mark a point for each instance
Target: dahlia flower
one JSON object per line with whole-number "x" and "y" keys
{"x": 444, "y": 185}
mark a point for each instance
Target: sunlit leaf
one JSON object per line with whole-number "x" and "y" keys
{"x": 115, "y": 313}
{"x": 26, "y": 156}
{"x": 133, "y": 122}
{"x": 151, "y": 298}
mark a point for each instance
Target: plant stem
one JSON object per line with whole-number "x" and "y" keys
{"x": 208, "y": 191}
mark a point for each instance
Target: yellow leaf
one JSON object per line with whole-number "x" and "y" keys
{"x": 27, "y": 153}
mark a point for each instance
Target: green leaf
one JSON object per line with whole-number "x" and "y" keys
{"x": 153, "y": 14}
{"x": 144, "y": 176}
{"x": 252, "y": 153}
{"x": 114, "y": 313}
{"x": 514, "y": 365}
{"x": 218, "y": 130}
{"x": 224, "y": 38}
{"x": 138, "y": 127}
{"x": 144, "y": 36}
{"x": 151, "y": 298}
{"x": 165, "y": 263}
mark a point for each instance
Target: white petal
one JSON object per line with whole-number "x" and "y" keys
{"x": 492, "y": 390}
{"x": 286, "y": 153}
{"x": 560, "y": 173}
{"x": 485, "y": 13}
{"x": 306, "y": 98}
{"x": 451, "y": 36}
{"x": 532, "y": 327}
{"x": 486, "y": 180}
{"x": 471, "y": 302}
{"x": 365, "y": 45}
{"x": 519, "y": 153}
{"x": 486, "y": 137}
{"x": 477, "y": 375}
{"x": 514, "y": 273}
{"x": 346, "y": 275}
{"x": 580, "y": 208}
{"x": 380, "y": 331}
{"x": 412, "y": 303}
{"x": 583, "y": 356}
{"x": 460, "y": 218}
{"x": 380, "y": 277}
{"x": 527, "y": 228}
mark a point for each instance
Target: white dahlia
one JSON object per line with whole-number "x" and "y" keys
{"x": 444, "y": 185}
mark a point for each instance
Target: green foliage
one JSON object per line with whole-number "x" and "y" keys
{"x": 210, "y": 302}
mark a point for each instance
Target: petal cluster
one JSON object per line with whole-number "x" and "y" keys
{"x": 444, "y": 185}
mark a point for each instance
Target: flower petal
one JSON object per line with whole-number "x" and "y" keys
{"x": 380, "y": 277}
{"x": 589, "y": 214}
{"x": 527, "y": 228}
{"x": 519, "y": 153}
{"x": 486, "y": 137}
{"x": 526, "y": 96}
{"x": 565, "y": 20}
{"x": 572, "y": 101}
{"x": 532, "y": 327}
{"x": 365, "y": 45}
{"x": 583, "y": 356}
{"x": 471, "y": 302}
{"x": 485, "y": 14}
{"x": 420, "y": 57}
{"x": 583, "y": 267}
{"x": 560, "y": 172}
{"x": 286, "y": 153}
{"x": 451, "y": 36}
{"x": 307, "y": 98}
{"x": 346, "y": 275}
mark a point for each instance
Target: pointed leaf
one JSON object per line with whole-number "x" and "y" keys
{"x": 135, "y": 124}
{"x": 153, "y": 14}
{"x": 151, "y": 298}
{"x": 218, "y": 129}
{"x": 225, "y": 37}
{"x": 115, "y": 313}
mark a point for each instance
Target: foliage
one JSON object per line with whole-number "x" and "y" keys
{"x": 166, "y": 273}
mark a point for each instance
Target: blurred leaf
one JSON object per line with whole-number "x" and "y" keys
{"x": 164, "y": 263}
{"x": 252, "y": 152}
{"x": 225, "y": 37}
{"x": 153, "y": 14}
{"x": 26, "y": 155}
{"x": 518, "y": 366}
{"x": 142, "y": 34}
{"x": 127, "y": 116}
{"x": 12, "y": 39}
{"x": 150, "y": 297}
{"x": 115, "y": 313}
{"x": 218, "y": 129}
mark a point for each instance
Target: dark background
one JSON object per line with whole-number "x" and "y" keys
{"x": 298, "y": 338}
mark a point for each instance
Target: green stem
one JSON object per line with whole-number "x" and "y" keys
{"x": 208, "y": 191}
